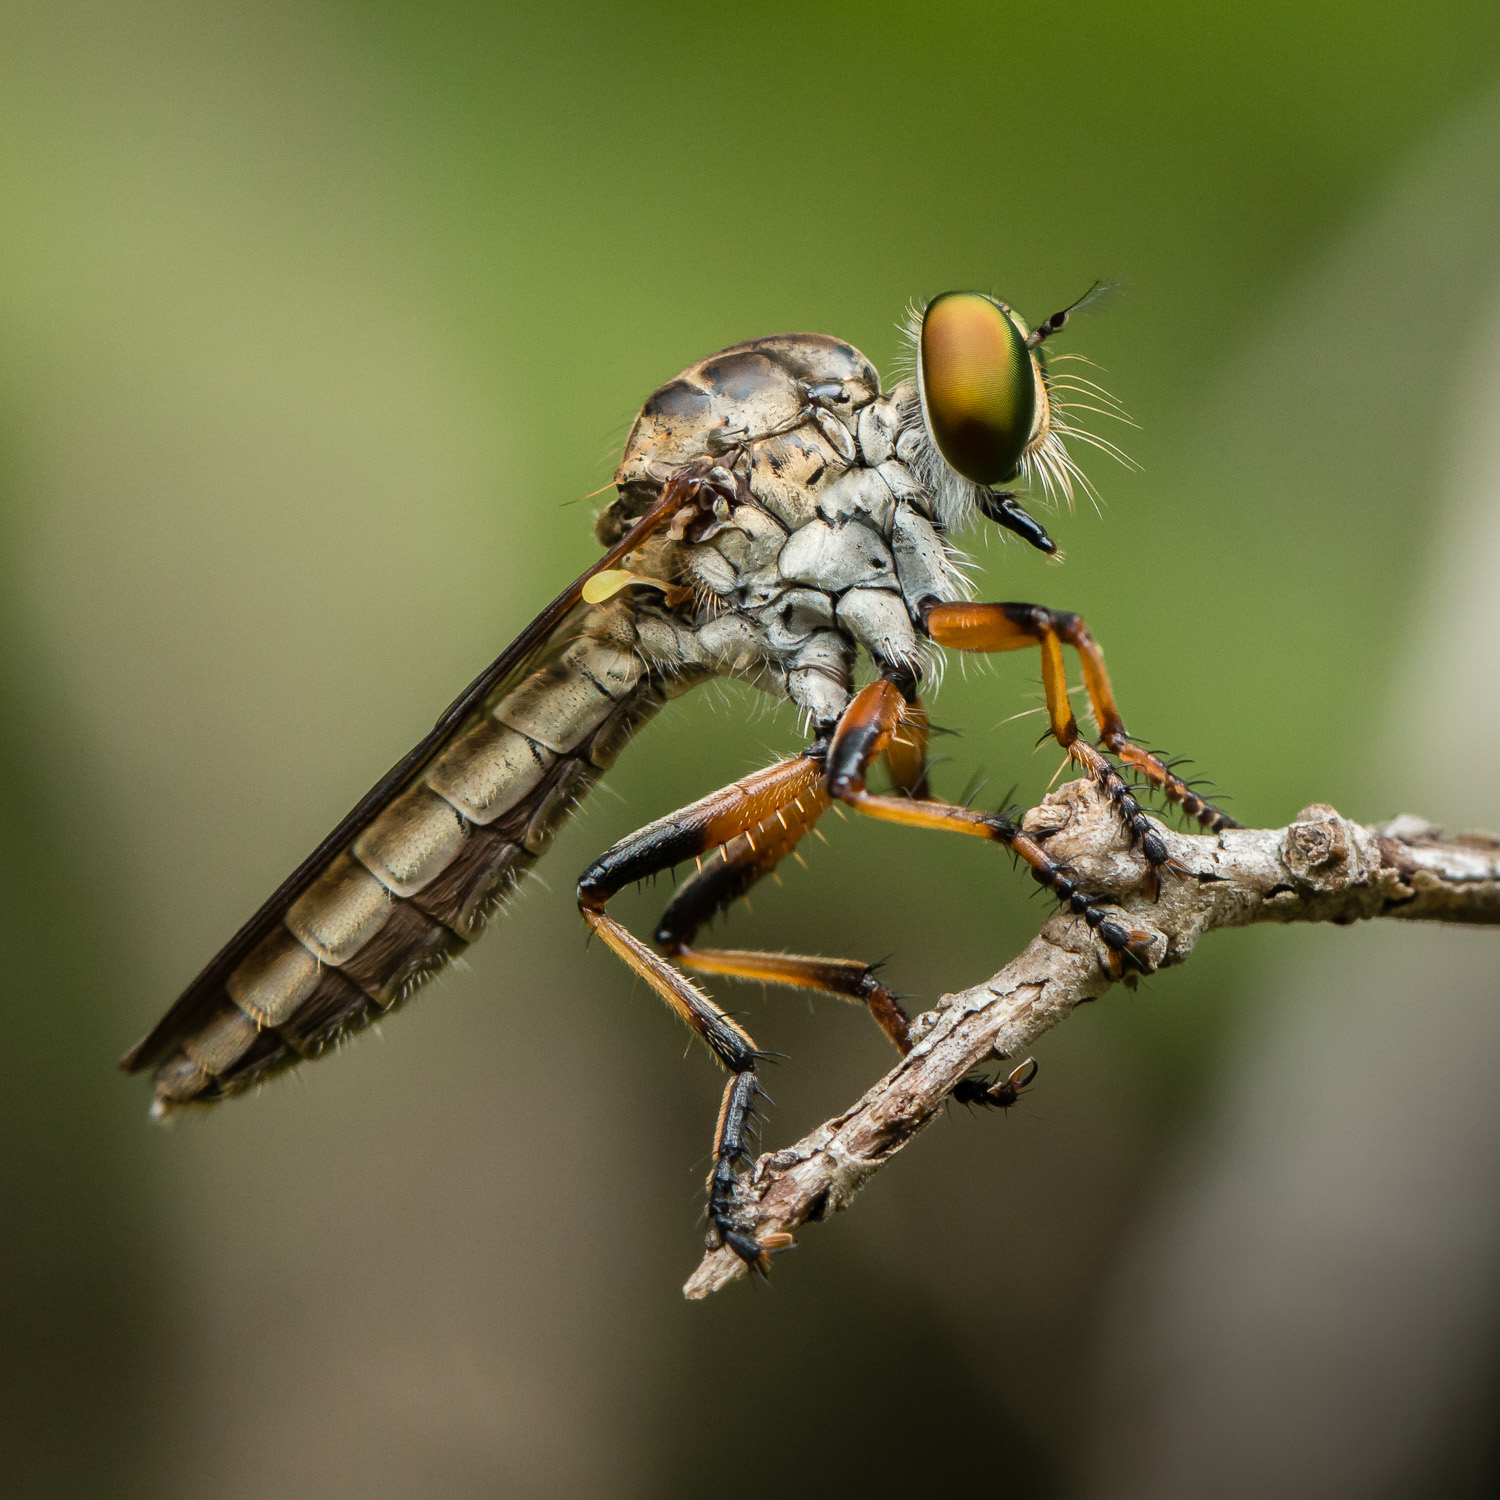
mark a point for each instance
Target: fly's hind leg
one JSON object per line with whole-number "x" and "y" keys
{"x": 739, "y": 812}
{"x": 727, "y": 875}
{"x": 735, "y": 1051}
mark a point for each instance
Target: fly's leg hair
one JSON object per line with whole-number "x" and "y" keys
{"x": 744, "y": 831}
{"x": 1012, "y": 627}
{"x": 864, "y": 731}
{"x": 732, "y": 1149}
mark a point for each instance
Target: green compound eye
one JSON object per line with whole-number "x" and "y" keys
{"x": 978, "y": 386}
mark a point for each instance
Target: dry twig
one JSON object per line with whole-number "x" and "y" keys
{"x": 1320, "y": 868}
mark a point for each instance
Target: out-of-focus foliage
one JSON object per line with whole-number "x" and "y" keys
{"x": 311, "y": 318}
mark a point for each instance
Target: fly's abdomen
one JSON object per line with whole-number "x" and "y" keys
{"x": 414, "y": 888}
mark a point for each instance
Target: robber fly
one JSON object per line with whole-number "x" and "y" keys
{"x": 776, "y": 514}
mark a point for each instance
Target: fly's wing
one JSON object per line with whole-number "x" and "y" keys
{"x": 203, "y": 1005}
{"x": 195, "y": 1006}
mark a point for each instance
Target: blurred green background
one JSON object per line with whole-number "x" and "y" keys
{"x": 312, "y": 317}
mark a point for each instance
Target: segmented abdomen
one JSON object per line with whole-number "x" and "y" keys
{"x": 414, "y": 888}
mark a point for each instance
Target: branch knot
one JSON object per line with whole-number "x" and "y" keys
{"x": 1325, "y": 853}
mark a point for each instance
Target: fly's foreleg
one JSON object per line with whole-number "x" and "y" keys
{"x": 1012, "y": 627}
{"x": 863, "y": 733}
{"x": 740, "y": 812}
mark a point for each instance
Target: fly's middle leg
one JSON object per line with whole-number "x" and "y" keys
{"x": 864, "y": 731}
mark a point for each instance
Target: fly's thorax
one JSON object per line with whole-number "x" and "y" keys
{"x": 786, "y": 609}
{"x": 832, "y": 546}
{"x": 735, "y": 559}
{"x": 744, "y": 392}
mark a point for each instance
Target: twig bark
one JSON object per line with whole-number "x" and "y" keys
{"x": 1320, "y": 868}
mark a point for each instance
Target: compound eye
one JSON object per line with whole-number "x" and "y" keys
{"x": 977, "y": 384}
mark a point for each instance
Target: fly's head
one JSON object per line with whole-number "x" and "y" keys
{"x": 987, "y": 412}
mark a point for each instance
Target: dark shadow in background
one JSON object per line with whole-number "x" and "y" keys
{"x": 77, "y": 1296}
{"x": 853, "y": 1387}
